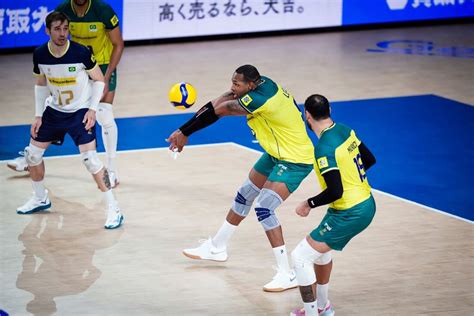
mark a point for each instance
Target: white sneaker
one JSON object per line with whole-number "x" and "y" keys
{"x": 18, "y": 164}
{"x": 113, "y": 178}
{"x": 207, "y": 251}
{"x": 34, "y": 205}
{"x": 114, "y": 217}
{"x": 282, "y": 281}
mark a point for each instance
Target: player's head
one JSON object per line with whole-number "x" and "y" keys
{"x": 318, "y": 107}
{"x": 244, "y": 79}
{"x": 57, "y": 27}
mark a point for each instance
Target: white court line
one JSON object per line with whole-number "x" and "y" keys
{"x": 259, "y": 152}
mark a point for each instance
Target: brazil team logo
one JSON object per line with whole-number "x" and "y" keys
{"x": 72, "y": 69}
{"x": 114, "y": 20}
{"x": 246, "y": 100}
{"x": 93, "y": 28}
{"x": 323, "y": 162}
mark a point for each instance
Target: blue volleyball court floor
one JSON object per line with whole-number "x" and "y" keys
{"x": 424, "y": 145}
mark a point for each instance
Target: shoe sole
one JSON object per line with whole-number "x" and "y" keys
{"x": 14, "y": 168}
{"x": 39, "y": 208}
{"x": 199, "y": 258}
{"x": 122, "y": 219}
{"x": 279, "y": 289}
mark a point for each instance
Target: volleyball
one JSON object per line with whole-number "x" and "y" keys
{"x": 182, "y": 95}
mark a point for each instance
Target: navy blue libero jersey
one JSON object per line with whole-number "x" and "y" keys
{"x": 67, "y": 77}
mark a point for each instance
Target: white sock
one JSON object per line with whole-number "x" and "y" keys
{"x": 311, "y": 309}
{"x": 109, "y": 133}
{"x": 223, "y": 235}
{"x": 109, "y": 195}
{"x": 281, "y": 257}
{"x": 322, "y": 294}
{"x": 40, "y": 190}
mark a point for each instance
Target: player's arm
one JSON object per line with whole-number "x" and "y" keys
{"x": 41, "y": 94}
{"x": 333, "y": 191}
{"x": 368, "y": 159}
{"x": 97, "y": 86}
{"x": 117, "y": 42}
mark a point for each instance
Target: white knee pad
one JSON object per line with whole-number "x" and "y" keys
{"x": 244, "y": 199}
{"x": 105, "y": 115}
{"x": 325, "y": 258}
{"x": 33, "y": 155}
{"x": 304, "y": 258}
{"x": 267, "y": 202}
{"x": 91, "y": 161}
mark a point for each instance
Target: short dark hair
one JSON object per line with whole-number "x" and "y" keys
{"x": 249, "y": 72}
{"x": 55, "y": 16}
{"x": 318, "y": 106}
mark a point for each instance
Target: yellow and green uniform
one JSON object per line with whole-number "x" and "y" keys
{"x": 279, "y": 127}
{"x": 91, "y": 30}
{"x": 338, "y": 149}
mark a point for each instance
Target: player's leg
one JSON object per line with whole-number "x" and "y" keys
{"x": 282, "y": 181}
{"x": 106, "y": 119}
{"x": 34, "y": 158}
{"x": 215, "y": 248}
{"x": 323, "y": 270}
{"x": 305, "y": 256}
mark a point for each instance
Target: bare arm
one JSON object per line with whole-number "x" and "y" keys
{"x": 41, "y": 80}
{"x": 117, "y": 42}
{"x": 229, "y": 108}
{"x": 227, "y": 96}
{"x": 96, "y": 74}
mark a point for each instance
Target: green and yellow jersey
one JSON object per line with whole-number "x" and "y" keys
{"x": 338, "y": 148}
{"x": 277, "y": 123}
{"x": 91, "y": 29}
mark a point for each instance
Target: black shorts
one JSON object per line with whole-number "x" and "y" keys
{"x": 56, "y": 124}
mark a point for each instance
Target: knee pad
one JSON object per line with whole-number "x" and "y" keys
{"x": 324, "y": 259}
{"x": 105, "y": 115}
{"x": 244, "y": 198}
{"x": 267, "y": 202}
{"x": 304, "y": 257}
{"x": 34, "y": 155}
{"x": 91, "y": 161}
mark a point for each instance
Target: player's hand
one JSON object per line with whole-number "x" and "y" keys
{"x": 177, "y": 141}
{"x": 303, "y": 209}
{"x": 36, "y": 126}
{"x": 89, "y": 119}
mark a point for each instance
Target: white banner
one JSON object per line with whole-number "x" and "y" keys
{"x": 155, "y": 19}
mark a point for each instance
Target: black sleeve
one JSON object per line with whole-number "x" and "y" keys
{"x": 333, "y": 191}
{"x": 368, "y": 159}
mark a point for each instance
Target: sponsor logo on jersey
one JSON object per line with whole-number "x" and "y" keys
{"x": 72, "y": 69}
{"x": 323, "y": 162}
{"x": 114, "y": 20}
{"x": 246, "y": 100}
{"x": 68, "y": 81}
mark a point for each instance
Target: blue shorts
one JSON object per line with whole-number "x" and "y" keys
{"x": 55, "y": 125}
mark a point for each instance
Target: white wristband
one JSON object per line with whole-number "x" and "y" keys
{"x": 97, "y": 90}
{"x": 41, "y": 94}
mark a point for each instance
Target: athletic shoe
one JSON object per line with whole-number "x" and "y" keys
{"x": 19, "y": 163}
{"x": 282, "y": 281}
{"x": 114, "y": 217}
{"x": 298, "y": 312}
{"x": 207, "y": 251}
{"x": 327, "y": 311}
{"x": 34, "y": 205}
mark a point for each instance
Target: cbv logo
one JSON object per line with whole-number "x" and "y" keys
{"x": 397, "y": 4}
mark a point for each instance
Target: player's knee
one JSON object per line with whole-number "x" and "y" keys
{"x": 265, "y": 207}
{"x": 303, "y": 258}
{"x": 244, "y": 199}
{"x": 105, "y": 115}
{"x": 33, "y": 155}
{"x": 91, "y": 161}
{"x": 324, "y": 259}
